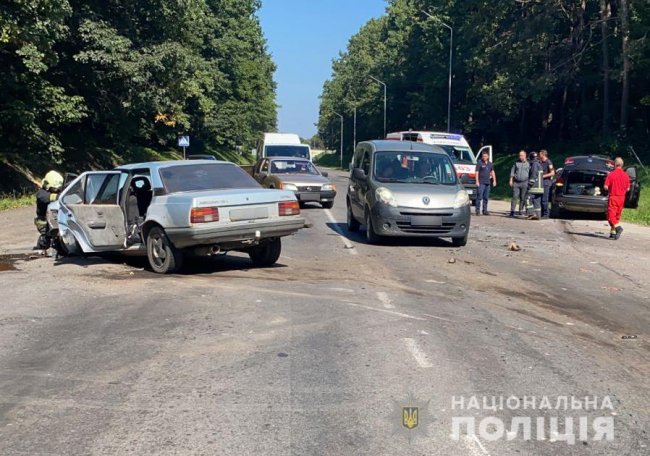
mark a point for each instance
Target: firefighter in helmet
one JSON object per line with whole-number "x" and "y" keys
{"x": 535, "y": 188}
{"x": 49, "y": 192}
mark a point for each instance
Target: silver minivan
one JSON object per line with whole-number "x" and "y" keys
{"x": 406, "y": 189}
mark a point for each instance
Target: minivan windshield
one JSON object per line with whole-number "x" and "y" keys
{"x": 287, "y": 151}
{"x": 460, "y": 154}
{"x": 414, "y": 167}
{"x": 194, "y": 178}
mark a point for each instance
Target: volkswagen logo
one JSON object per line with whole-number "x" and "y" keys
{"x": 426, "y": 200}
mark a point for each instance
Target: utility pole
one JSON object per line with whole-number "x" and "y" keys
{"x": 451, "y": 63}
{"x": 385, "y": 101}
{"x": 341, "y": 117}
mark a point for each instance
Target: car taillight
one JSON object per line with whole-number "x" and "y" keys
{"x": 559, "y": 182}
{"x": 569, "y": 161}
{"x": 204, "y": 214}
{"x": 289, "y": 208}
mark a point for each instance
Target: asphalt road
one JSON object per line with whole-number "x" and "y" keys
{"x": 319, "y": 355}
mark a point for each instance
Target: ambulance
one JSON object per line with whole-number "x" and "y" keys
{"x": 456, "y": 147}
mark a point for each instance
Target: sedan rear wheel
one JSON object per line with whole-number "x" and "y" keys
{"x": 164, "y": 258}
{"x": 267, "y": 254}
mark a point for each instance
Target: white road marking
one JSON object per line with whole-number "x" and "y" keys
{"x": 438, "y": 318}
{"x": 420, "y": 357}
{"x": 385, "y": 300}
{"x": 348, "y": 245}
{"x": 391, "y": 312}
{"x": 345, "y": 290}
{"x": 475, "y": 446}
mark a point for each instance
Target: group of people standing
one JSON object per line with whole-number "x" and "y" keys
{"x": 530, "y": 179}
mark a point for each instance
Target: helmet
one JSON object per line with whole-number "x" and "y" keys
{"x": 532, "y": 156}
{"x": 53, "y": 181}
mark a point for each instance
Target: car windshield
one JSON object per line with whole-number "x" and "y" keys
{"x": 287, "y": 151}
{"x": 414, "y": 167}
{"x": 461, "y": 155}
{"x": 192, "y": 178}
{"x": 293, "y": 167}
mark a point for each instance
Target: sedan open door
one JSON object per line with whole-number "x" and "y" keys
{"x": 632, "y": 197}
{"x": 91, "y": 210}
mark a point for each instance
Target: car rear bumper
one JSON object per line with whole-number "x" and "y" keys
{"x": 590, "y": 204}
{"x": 235, "y": 235}
{"x": 407, "y": 222}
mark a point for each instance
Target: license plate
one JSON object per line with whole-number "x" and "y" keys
{"x": 426, "y": 220}
{"x": 309, "y": 196}
{"x": 238, "y": 215}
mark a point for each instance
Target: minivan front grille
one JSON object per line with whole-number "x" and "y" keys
{"x": 439, "y": 229}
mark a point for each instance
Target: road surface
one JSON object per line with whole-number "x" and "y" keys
{"x": 321, "y": 354}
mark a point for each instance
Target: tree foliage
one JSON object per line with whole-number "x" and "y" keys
{"x": 91, "y": 80}
{"x": 526, "y": 73}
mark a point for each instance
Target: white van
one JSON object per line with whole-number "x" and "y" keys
{"x": 456, "y": 147}
{"x": 282, "y": 145}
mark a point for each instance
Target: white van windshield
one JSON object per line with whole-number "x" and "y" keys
{"x": 414, "y": 167}
{"x": 460, "y": 154}
{"x": 287, "y": 151}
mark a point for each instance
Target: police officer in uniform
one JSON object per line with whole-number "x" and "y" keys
{"x": 549, "y": 172}
{"x": 49, "y": 192}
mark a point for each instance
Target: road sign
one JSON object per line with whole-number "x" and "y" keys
{"x": 183, "y": 141}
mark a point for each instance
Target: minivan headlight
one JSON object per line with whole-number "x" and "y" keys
{"x": 386, "y": 196}
{"x": 461, "y": 200}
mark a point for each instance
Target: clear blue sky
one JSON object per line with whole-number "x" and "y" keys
{"x": 303, "y": 38}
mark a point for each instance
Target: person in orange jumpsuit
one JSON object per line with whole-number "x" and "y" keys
{"x": 617, "y": 184}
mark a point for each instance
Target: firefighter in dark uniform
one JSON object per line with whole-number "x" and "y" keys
{"x": 535, "y": 188}
{"x": 49, "y": 192}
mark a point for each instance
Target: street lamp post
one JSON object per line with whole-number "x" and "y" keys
{"x": 341, "y": 117}
{"x": 451, "y": 62}
{"x": 385, "y": 100}
{"x": 354, "y": 136}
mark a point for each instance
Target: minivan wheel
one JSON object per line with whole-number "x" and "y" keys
{"x": 353, "y": 225}
{"x": 460, "y": 241}
{"x": 163, "y": 257}
{"x": 371, "y": 235}
{"x": 266, "y": 254}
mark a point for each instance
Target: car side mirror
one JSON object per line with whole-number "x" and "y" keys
{"x": 359, "y": 174}
{"x": 325, "y": 173}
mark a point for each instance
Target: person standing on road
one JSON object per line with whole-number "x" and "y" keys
{"x": 549, "y": 172}
{"x": 485, "y": 178}
{"x": 519, "y": 175}
{"x": 49, "y": 191}
{"x": 535, "y": 188}
{"x": 617, "y": 184}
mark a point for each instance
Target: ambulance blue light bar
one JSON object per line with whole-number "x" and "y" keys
{"x": 451, "y": 136}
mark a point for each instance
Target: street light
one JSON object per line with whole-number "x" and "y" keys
{"x": 336, "y": 113}
{"x": 385, "y": 100}
{"x": 451, "y": 61}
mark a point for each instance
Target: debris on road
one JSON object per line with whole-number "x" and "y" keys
{"x": 611, "y": 289}
{"x": 452, "y": 260}
{"x": 513, "y": 246}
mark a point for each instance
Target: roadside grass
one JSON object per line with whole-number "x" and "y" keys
{"x": 333, "y": 161}
{"x": 15, "y": 201}
{"x": 641, "y": 215}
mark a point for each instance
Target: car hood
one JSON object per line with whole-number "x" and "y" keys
{"x": 301, "y": 180}
{"x": 415, "y": 195}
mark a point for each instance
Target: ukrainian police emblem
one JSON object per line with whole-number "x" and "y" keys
{"x": 410, "y": 417}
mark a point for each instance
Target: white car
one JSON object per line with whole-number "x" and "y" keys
{"x": 167, "y": 209}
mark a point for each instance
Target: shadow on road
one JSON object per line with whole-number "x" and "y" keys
{"x": 192, "y": 265}
{"x": 591, "y": 235}
{"x": 360, "y": 237}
